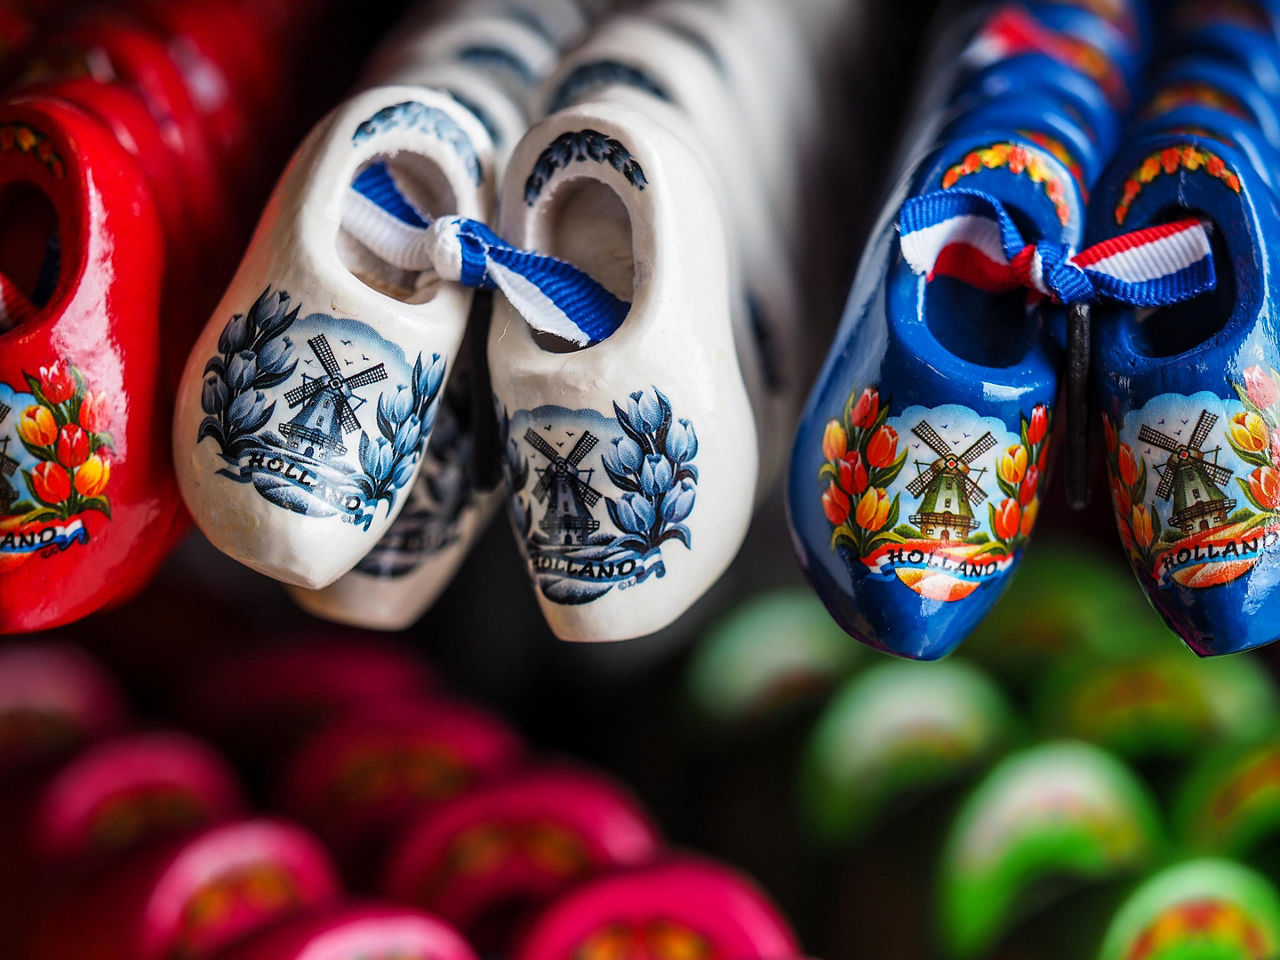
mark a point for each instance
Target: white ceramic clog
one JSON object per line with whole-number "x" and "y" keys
{"x": 631, "y": 463}
{"x": 639, "y": 62}
{"x": 305, "y": 405}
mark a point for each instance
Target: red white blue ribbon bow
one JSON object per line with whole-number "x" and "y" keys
{"x": 968, "y": 235}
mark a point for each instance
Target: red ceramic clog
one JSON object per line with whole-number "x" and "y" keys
{"x": 683, "y": 909}
{"x": 358, "y": 933}
{"x": 493, "y": 855}
{"x": 88, "y": 505}
{"x": 365, "y": 775}
{"x": 191, "y": 899}
{"x": 54, "y": 699}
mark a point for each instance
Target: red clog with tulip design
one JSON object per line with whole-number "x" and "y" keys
{"x": 88, "y": 503}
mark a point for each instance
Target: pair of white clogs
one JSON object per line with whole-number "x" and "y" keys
{"x": 632, "y": 463}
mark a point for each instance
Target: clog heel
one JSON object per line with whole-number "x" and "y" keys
{"x": 631, "y": 462}
{"x": 308, "y": 398}
{"x": 1191, "y": 398}
{"x": 917, "y": 469}
{"x": 88, "y": 502}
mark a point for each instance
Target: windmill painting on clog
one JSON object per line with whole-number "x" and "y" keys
{"x": 915, "y": 481}
{"x": 1191, "y": 398}
{"x": 88, "y": 504}
{"x": 630, "y": 447}
{"x": 308, "y": 399}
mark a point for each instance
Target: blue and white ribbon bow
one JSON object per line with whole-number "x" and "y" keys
{"x": 968, "y": 235}
{"x": 553, "y": 296}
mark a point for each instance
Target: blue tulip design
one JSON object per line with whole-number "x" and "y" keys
{"x": 679, "y": 503}
{"x": 213, "y": 395}
{"x": 248, "y": 411}
{"x": 235, "y": 335}
{"x": 242, "y": 370}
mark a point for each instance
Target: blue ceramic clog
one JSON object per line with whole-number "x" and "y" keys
{"x": 1218, "y": 125}
{"x": 1041, "y": 72}
{"x": 915, "y": 477}
{"x": 1254, "y": 50}
{"x": 1216, "y": 84}
{"x": 1191, "y": 397}
{"x": 1042, "y": 118}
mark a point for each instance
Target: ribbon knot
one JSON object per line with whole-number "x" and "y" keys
{"x": 969, "y": 235}
{"x": 552, "y": 295}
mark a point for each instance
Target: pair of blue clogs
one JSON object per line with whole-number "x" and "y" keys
{"x": 918, "y": 467}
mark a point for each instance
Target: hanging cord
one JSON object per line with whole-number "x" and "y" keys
{"x": 968, "y": 235}
{"x": 553, "y": 296}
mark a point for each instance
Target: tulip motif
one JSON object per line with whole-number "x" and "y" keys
{"x": 57, "y": 383}
{"x": 92, "y": 476}
{"x": 37, "y": 427}
{"x": 1264, "y": 487}
{"x": 1013, "y": 464}
{"x": 1030, "y": 486}
{"x": 882, "y": 448}
{"x": 1261, "y": 387}
{"x": 864, "y": 412}
{"x": 73, "y": 446}
{"x": 873, "y": 509}
{"x": 1006, "y": 519}
{"x": 1038, "y": 424}
{"x": 65, "y": 431}
{"x": 1248, "y": 432}
{"x": 653, "y": 462}
{"x": 50, "y": 483}
{"x": 1143, "y": 530}
{"x": 1029, "y": 514}
{"x": 1129, "y": 470}
{"x": 835, "y": 504}
{"x": 853, "y": 474}
{"x": 834, "y": 441}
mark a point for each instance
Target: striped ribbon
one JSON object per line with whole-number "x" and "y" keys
{"x": 968, "y": 235}
{"x": 553, "y": 296}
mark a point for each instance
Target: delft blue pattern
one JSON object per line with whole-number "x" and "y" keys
{"x": 555, "y": 462}
{"x": 413, "y": 115}
{"x": 501, "y": 59}
{"x": 580, "y": 147}
{"x": 588, "y": 77}
{"x": 295, "y": 445}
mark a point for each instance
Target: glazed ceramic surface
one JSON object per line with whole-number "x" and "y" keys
{"x": 916, "y": 472}
{"x": 489, "y": 858}
{"x": 631, "y": 464}
{"x": 676, "y": 907}
{"x": 308, "y": 399}
{"x": 637, "y": 62}
{"x": 87, "y": 501}
{"x": 358, "y": 933}
{"x": 1189, "y": 399}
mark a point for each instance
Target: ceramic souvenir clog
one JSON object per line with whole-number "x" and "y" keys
{"x": 1229, "y": 804}
{"x": 1161, "y": 704}
{"x": 1217, "y": 124}
{"x": 916, "y": 472}
{"x": 1254, "y": 50}
{"x": 1200, "y": 908}
{"x": 126, "y": 793}
{"x": 631, "y": 464}
{"x": 1207, "y": 82}
{"x": 1058, "y": 810}
{"x": 54, "y": 700}
{"x": 491, "y": 857}
{"x": 1189, "y": 398}
{"x": 307, "y": 401}
{"x": 191, "y": 898}
{"x": 88, "y": 504}
{"x": 357, "y": 933}
{"x": 565, "y": 22}
{"x": 363, "y": 776}
{"x": 512, "y": 52}
{"x": 740, "y": 673}
{"x": 896, "y": 730}
{"x": 636, "y": 62}
{"x": 415, "y": 561}
{"x": 680, "y": 907}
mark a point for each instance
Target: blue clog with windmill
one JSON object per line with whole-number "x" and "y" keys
{"x": 1190, "y": 397}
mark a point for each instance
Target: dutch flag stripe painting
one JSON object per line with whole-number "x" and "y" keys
{"x": 969, "y": 235}
{"x": 553, "y": 296}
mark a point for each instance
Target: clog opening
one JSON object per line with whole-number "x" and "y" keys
{"x": 1168, "y": 331}
{"x": 377, "y": 239}
{"x": 989, "y": 329}
{"x": 588, "y": 225}
{"x": 30, "y": 259}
